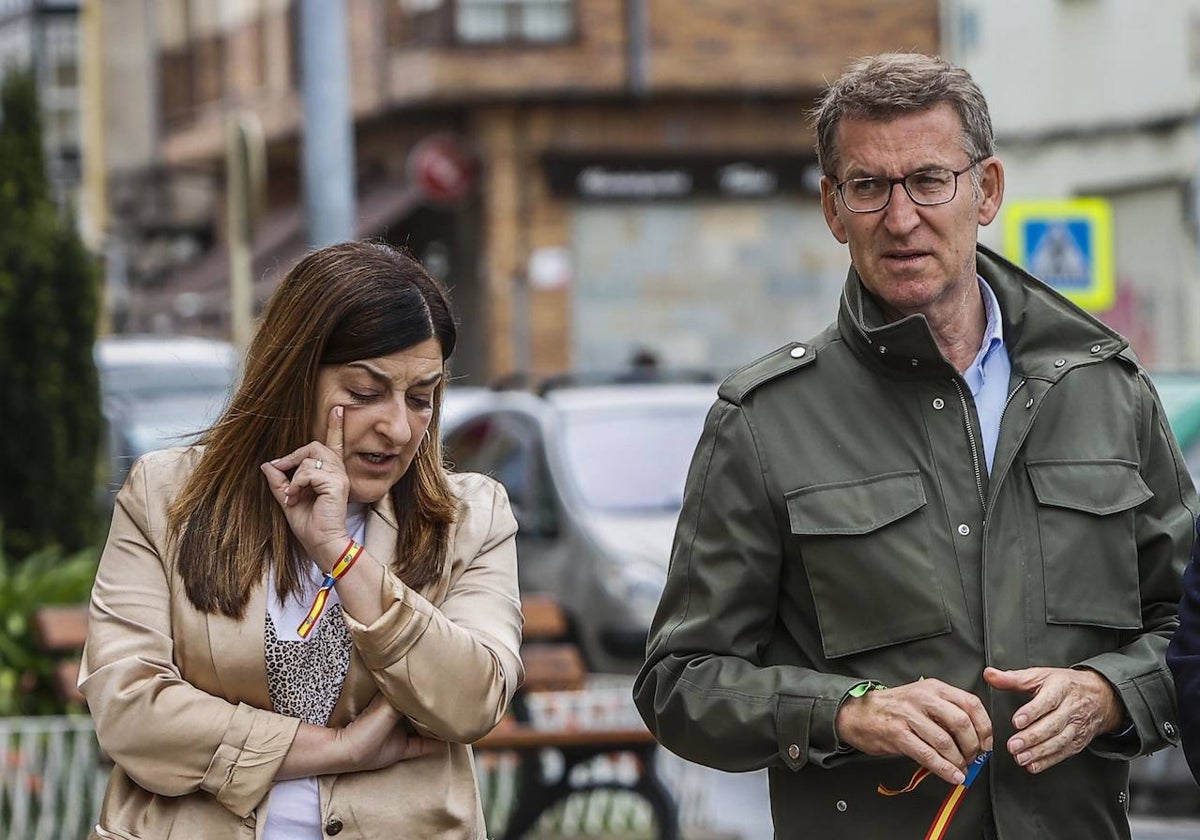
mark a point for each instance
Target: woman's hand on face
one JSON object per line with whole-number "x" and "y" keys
{"x": 377, "y": 738}
{"x": 314, "y": 498}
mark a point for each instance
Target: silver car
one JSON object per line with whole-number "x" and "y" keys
{"x": 158, "y": 391}
{"x": 595, "y": 475}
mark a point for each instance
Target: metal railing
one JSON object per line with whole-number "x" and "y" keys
{"x": 52, "y": 777}
{"x": 53, "y": 773}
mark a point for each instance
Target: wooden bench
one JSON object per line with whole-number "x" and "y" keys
{"x": 553, "y": 664}
{"x": 62, "y": 629}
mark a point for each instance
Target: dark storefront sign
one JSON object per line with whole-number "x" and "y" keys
{"x": 660, "y": 178}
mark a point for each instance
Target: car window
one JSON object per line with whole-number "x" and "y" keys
{"x": 632, "y": 460}
{"x": 509, "y": 448}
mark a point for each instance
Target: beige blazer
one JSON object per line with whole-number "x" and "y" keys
{"x": 180, "y": 700}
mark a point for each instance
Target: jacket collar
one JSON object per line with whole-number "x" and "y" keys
{"x": 1046, "y": 334}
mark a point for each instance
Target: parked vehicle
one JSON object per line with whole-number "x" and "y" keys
{"x": 595, "y": 474}
{"x": 1180, "y": 395}
{"x": 158, "y": 391}
{"x": 1162, "y": 783}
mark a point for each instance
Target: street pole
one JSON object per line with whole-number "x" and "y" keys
{"x": 328, "y": 157}
{"x": 245, "y": 160}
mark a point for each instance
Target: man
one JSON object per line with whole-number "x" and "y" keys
{"x": 952, "y": 523}
{"x": 1183, "y": 657}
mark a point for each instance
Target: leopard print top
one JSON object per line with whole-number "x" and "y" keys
{"x": 305, "y": 676}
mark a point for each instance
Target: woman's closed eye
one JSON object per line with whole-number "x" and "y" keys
{"x": 362, "y": 397}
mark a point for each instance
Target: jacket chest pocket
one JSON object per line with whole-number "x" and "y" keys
{"x": 865, "y": 545}
{"x": 1089, "y": 547}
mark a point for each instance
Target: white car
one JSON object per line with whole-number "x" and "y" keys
{"x": 595, "y": 475}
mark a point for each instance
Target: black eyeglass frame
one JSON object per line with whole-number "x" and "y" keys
{"x": 903, "y": 181}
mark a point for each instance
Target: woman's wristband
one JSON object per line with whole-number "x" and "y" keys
{"x": 345, "y": 561}
{"x": 340, "y": 567}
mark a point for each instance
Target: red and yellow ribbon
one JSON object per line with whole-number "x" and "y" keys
{"x": 941, "y": 821}
{"x": 343, "y": 564}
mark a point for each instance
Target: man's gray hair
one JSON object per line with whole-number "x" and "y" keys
{"x": 889, "y": 85}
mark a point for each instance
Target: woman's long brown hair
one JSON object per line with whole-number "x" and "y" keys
{"x": 356, "y": 300}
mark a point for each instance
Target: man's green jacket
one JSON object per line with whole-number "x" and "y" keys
{"x": 840, "y": 525}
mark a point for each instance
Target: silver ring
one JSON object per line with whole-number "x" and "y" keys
{"x": 319, "y": 464}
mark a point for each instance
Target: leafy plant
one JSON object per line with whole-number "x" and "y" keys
{"x": 42, "y": 578}
{"x": 49, "y": 301}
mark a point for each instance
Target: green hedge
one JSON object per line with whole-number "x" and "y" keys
{"x": 50, "y": 422}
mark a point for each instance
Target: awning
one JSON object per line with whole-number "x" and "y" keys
{"x": 279, "y": 242}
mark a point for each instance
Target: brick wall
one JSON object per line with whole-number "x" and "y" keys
{"x": 721, "y": 44}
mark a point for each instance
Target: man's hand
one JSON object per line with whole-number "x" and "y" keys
{"x": 939, "y": 726}
{"x": 1070, "y": 707}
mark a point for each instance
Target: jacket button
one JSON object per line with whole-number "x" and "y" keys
{"x": 841, "y": 805}
{"x": 797, "y": 353}
{"x": 1095, "y": 348}
{"x": 794, "y": 752}
{"x": 964, "y": 529}
{"x": 1059, "y": 362}
{"x": 1169, "y": 729}
{"x": 939, "y": 403}
{"x": 333, "y": 826}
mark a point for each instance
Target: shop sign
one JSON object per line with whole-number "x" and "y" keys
{"x": 661, "y": 178}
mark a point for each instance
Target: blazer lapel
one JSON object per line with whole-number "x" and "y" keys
{"x": 238, "y": 653}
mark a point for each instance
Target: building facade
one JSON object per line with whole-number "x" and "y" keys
{"x": 1104, "y": 101}
{"x": 590, "y": 178}
{"x": 42, "y": 38}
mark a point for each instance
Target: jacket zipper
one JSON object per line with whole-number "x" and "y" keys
{"x": 962, "y": 398}
{"x": 1019, "y": 386}
{"x": 987, "y": 647}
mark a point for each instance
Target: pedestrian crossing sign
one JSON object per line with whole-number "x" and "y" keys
{"x": 1067, "y": 244}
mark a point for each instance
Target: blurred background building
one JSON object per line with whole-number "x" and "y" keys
{"x": 42, "y": 38}
{"x": 590, "y": 177}
{"x": 1100, "y": 98}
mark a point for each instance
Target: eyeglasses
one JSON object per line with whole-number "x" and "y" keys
{"x": 928, "y": 188}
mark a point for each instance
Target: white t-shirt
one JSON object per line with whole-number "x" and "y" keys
{"x": 305, "y": 678}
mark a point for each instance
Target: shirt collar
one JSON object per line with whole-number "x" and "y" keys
{"x": 993, "y": 336}
{"x": 993, "y": 333}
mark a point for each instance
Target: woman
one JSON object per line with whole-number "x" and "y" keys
{"x": 299, "y": 624}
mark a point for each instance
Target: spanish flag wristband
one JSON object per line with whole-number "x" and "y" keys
{"x": 340, "y": 567}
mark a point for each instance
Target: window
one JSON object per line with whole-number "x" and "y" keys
{"x": 60, "y": 85}
{"x": 482, "y": 22}
{"x": 508, "y": 447}
{"x": 506, "y": 21}
{"x": 632, "y": 460}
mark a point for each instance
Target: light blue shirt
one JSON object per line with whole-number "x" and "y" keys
{"x": 987, "y": 377}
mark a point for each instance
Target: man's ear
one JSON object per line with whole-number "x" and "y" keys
{"x": 991, "y": 187}
{"x": 830, "y": 208}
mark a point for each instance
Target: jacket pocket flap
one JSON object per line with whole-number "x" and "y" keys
{"x": 1097, "y": 487}
{"x": 855, "y": 507}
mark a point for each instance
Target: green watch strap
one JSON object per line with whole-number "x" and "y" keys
{"x": 865, "y": 686}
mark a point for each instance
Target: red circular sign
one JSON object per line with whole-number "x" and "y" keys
{"x": 442, "y": 170}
